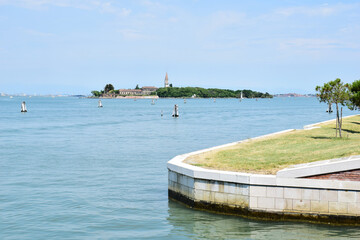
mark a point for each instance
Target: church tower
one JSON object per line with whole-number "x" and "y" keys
{"x": 166, "y": 80}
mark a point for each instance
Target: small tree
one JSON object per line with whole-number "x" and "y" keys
{"x": 334, "y": 92}
{"x": 96, "y": 93}
{"x": 137, "y": 86}
{"x": 354, "y": 89}
{"x": 108, "y": 88}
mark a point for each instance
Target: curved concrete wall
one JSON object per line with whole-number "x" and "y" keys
{"x": 282, "y": 196}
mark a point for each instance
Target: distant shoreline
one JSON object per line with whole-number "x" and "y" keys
{"x": 127, "y": 97}
{"x": 157, "y": 97}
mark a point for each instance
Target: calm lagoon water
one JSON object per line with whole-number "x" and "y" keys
{"x": 69, "y": 170}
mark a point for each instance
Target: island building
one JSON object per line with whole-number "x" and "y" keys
{"x": 144, "y": 91}
{"x": 166, "y": 83}
{"x": 148, "y": 90}
{"x": 130, "y": 92}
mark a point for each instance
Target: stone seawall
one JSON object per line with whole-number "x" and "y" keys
{"x": 289, "y": 195}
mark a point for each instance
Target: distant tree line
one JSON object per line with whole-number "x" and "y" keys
{"x": 185, "y": 92}
{"x": 109, "y": 88}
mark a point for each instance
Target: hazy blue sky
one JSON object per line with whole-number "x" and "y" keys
{"x": 75, "y": 46}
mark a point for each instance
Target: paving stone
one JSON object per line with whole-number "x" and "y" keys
{"x": 310, "y": 194}
{"x": 338, "y": 208}
{"x": 320, "y": 206}
{"x": 293, "y": 193}
{"x": 347, "y": 196}
{"x": 301, "y": 205}
{"x": 329, "y": 195}
{"x": 276, "y": 192}
{"x": 257, "y": 191}
{"x": 265, "y": 202}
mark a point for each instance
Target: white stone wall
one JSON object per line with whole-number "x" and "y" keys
{"x": 282, "y": 193}
{"x": 305, "y": 200}
{"x": 267, "y": 198}
{"x": 210, "y": 191}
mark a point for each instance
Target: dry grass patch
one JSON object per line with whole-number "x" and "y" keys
{"x": 268, "y": 155}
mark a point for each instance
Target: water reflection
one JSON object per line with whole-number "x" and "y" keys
{"x": 194, "y": 224}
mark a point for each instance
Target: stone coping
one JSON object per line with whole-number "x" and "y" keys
{"x": 285, "y": 178}
{"x": 321, "y": 167}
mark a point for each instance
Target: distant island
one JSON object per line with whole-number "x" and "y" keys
{"x": 294, "y": 95}
{"x": 168, "y": 91}
{"x": 186, "y": 92}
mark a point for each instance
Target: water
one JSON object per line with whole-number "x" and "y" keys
{"x": 70, "y": 170}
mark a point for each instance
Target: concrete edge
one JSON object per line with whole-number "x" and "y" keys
{"x": 321, "y": 167}
{"x": 176, "y": 164}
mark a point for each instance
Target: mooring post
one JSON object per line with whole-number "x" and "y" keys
{"x": 176, "y": 111}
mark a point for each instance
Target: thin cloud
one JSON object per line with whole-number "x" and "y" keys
{"x": 323, "y": 10}
{"x": 108, "y": 7}
{"x": 130, "y": 34}
{"x": 173, "y": 20}
{"x": 311, "y": 44}
{"x": 101, "y": 6}
{"x": 153, "y": 5}
{"x": 227, "y": 18}
{"x": 218, "y": 21}
{"x": 42, "y": 4}
{"x": 38, "y": 34}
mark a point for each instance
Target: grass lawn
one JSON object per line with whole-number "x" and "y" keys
{"x": 268, "y": 155}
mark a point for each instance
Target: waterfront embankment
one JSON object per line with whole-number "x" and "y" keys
{"x": 325, "y": 191}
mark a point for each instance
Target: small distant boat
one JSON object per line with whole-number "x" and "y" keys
{"x": 214, "y": 99}
{"x": 153, "y": 102}
{"x": 184, "y": 100}
{"x": 176, "y": 111}
{"x": 100, "y": 104}
{"x": 23, "y": 107}
{"x": 241, "y": 95}
{"x": 11, "y": 96}
{"x": 162, "y": 113}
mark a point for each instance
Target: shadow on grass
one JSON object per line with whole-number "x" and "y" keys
{"x": 350, "y": 131}
{"x": 321, "y": 137}
{"x": 358, "y": 123}
{"x": 328, "y": 138}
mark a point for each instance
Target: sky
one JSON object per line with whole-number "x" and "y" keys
{"x": 76, "y": 46}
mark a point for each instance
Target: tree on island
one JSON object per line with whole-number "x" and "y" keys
{"x": 108, "y": 88}
{"x": 334, "y": 92}
{"x": 178, "y": 92}
{"x": 354, "y": 98}
{"x": 137, "y": 86}
{"x": 96, "y": 93}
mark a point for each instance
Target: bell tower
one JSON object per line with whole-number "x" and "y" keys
{"x": 166, "y": 83}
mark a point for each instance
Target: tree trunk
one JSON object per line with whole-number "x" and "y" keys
{"x": 340, "y": 125}
{"x": 336, "y": 127}
{"x": 337, "y": 118}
